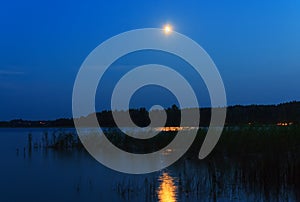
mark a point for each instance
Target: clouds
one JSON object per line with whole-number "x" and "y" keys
{"x": 9, "y": 72}
{"x": 9, "y": 80}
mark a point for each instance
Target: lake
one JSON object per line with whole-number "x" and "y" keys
{"x": 43, "y": 174}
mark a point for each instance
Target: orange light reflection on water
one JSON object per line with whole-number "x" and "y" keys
{"x": 167, "y": 189}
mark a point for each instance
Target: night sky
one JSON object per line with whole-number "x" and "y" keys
{"x": 255, "y": 45}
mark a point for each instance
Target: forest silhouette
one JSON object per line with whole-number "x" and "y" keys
{"x": 281, "y": 114}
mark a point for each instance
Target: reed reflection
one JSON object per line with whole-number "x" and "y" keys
{"x": 167, "y": 190}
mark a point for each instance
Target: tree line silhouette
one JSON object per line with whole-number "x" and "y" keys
{"x": 236, "y": 115}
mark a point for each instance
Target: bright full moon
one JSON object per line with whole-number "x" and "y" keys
{"x": 167, "y": 29}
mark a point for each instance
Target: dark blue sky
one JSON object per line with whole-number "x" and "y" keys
{"x": 255, "y": 44}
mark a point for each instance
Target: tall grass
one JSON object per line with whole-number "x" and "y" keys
{"x": 260, "y": 162}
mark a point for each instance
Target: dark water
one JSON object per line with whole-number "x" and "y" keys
{"x": 49, "y": 175}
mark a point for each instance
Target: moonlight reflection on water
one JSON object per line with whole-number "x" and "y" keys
{"x": 167, "y": 190}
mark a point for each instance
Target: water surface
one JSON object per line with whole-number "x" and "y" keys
{"x": 40, "y": 174}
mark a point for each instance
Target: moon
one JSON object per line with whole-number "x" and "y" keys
{"x": 168, "y": 29}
